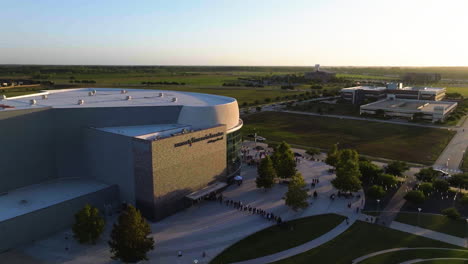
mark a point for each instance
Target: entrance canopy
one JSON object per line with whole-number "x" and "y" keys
{"x": 206, "y": 191}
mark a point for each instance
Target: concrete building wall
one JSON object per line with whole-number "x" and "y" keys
{"x": 179, "y": 170}
{"x": 69, "y": 125}
{"x": 27, "y": 148}
{"x": 208, "y": 116}
{"x": 38, "y": 224}
{"x": 143, "y": 171}
{"x": 109, "y": 159}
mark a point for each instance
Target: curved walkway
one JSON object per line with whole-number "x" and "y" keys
{"x": 424, "y": 260}
{"x": 304, "y": 247}
{"x": 360, "y": 259}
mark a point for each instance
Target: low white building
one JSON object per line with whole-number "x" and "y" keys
{"x": 407, "y": 108}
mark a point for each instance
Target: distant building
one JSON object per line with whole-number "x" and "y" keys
{"x": 415, "y": 77}
{"x": 358, "y": 94}
{"x": 404, "y": 108}
{"x": 318, "y": 75}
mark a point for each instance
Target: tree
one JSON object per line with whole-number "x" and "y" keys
{"x": 369, "y": 171}
{"x": 332, "y": 156}
{"x": 416, "y": 197}
{"x": 345, "y": 181}
{"x": 427, "y": 174}
{"x": 441, "y": 185}
{"x": 451, "y": 213}
{"x": 347, "y": 171}
{"x": 266, "y": 174}
{"x": 396, "y": 168}
{"x": 129, "y": 238}
{"x": 464, "y": 199}
{"x": 88, "y": 225}
{"x": 459, "y": 180}
{"x": 380, "y": 112}
{"x": 296, "y": 196}
{"x": 376, "y": 192}
{"x": 258, "y": 108}
{"x": 283, "y": 161}
{"x": 387, "y": 179}
{"x": 426, "y": 188}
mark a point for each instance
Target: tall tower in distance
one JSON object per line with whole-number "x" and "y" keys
{"x": 317, "y": 67}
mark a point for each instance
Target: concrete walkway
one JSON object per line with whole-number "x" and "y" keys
{"x": 373, "y": 254}
{"x": 424, "y": 260}
{"x": 452, "y": 156}
{"x": 415, "y": 230}
{"x": 396, "y": 203}
{"x": 304, "y": 247}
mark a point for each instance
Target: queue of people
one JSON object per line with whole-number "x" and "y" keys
{"x": 249, "y": 209}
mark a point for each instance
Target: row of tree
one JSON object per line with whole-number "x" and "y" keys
{"x": 129, "y": 239}
{"x": 282, "y": 164}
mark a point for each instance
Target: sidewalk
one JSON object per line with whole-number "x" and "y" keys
{"x": 429, "y": 234}
{"x": 373, "y": 254}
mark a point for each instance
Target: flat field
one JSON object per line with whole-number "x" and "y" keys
{"x": 392, "y": 141}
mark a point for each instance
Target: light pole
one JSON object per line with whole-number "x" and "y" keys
{"x": 447, "y": 162}
{"x": 378, "y": 205}
{"x": 419, "y": 212}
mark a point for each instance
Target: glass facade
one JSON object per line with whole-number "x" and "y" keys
{"x": 234, "y": 143}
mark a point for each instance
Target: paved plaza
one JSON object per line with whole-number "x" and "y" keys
{"x": 209, "y": 227}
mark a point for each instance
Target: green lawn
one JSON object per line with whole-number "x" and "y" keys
{"x": 275, "y": 239}
{"x": 398, "y": 142}
{"x": 437, "y": 223}
{"x": 462, "y": 90}
{"x": 359, "y": 240}
{"x": 401, "y": 256}
{"x": 330, "y": 109}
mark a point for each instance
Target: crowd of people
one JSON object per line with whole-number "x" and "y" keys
{"x": 249, "y": 209}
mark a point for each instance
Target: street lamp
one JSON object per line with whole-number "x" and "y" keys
{"x": 447, "y": 162}
{"x": 419, "y": 211}
{"x": 378, "y": 205}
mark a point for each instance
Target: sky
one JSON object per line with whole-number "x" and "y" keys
{"x": 235, "y": 32}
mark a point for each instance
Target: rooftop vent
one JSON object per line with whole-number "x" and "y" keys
{"x": 80, "y": 102}
{"x": 3, "y": 97}
{"x": 161, "y": 95}
{"x": 94, "y": 92}
{"x": 23, "y": 202}
{"x": 174, "y": 99}
{"x": 44, "y": 97}
{"x": 128, "y": 98}
{"x": 90, "y": 93}
{"x": 123, "y": 91}
{"x": 32, "y": 102}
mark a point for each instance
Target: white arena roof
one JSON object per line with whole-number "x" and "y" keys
{"x": 111, "y": 97}
{"x": 37, "y": 196}
{"x": 147, "y": 131}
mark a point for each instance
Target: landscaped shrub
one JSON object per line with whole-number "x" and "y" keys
{"x": 451, "y": 213}
{"x": 415, "y": 197}
{"x": 376, "y": 192}
{"x": 426, "y": 188}
{"x": 441, "y": 185}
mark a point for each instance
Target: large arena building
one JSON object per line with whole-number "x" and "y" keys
{"x": 155, "y": 149}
